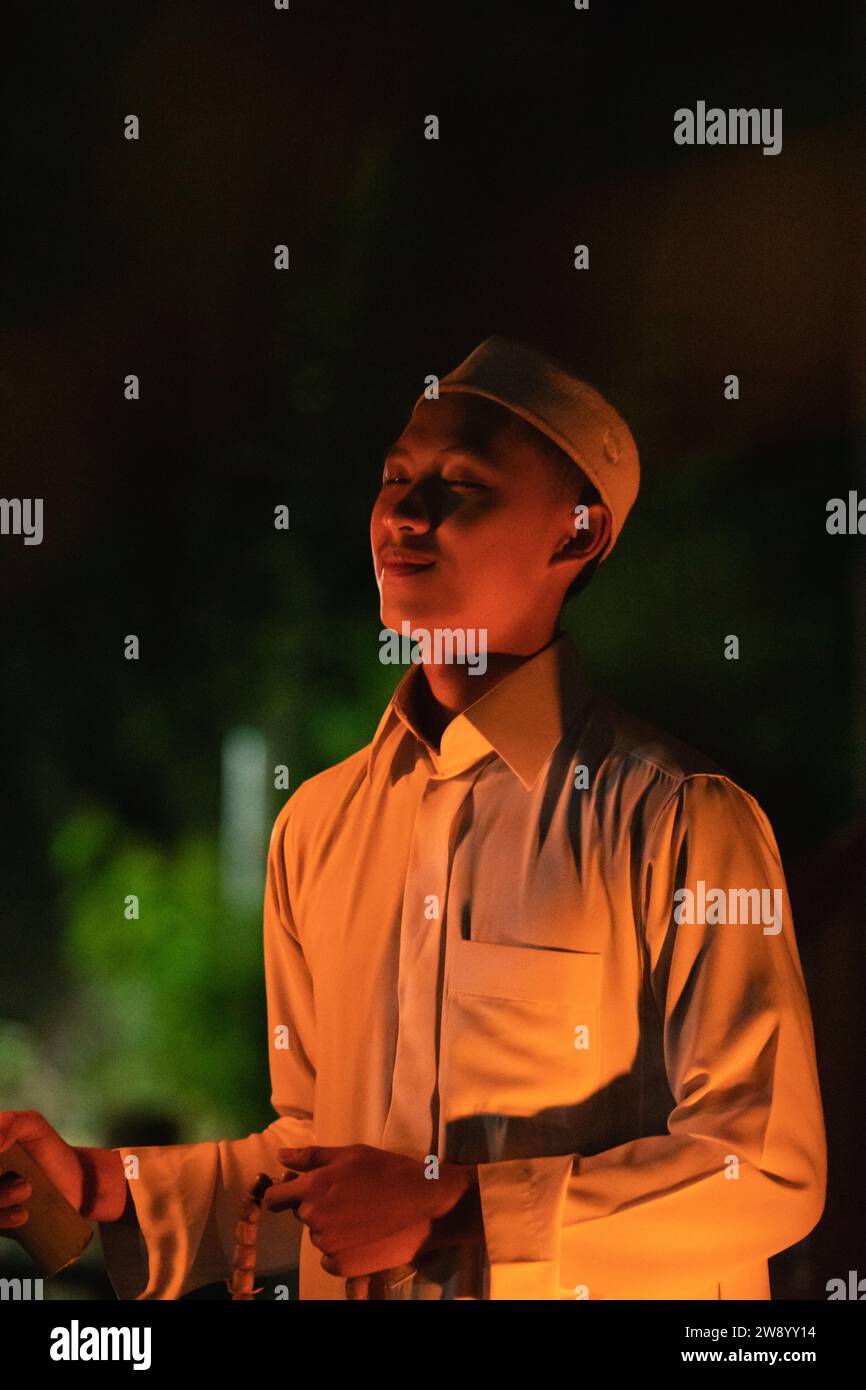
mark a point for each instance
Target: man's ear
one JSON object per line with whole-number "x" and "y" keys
{"x": 589, "y": 536}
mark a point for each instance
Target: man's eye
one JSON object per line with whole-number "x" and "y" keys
{"x": 449, "y": 482}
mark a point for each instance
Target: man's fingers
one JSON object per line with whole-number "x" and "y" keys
{"x": 12, "y": 1217}
{"x": 288, "y": 1193}
{"x": 314, "y": 1156}
{"x": 14, "y": 1192}
{"x": 371, "y": 1258}
{"x": 13, "y": 1189}
{"x": 22, "y": 1127}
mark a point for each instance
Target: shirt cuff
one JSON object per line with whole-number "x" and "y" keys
{"x": 166, "y": 1256}
{"x": 522, "y": 1203}
{"x": 124, "y": 1255}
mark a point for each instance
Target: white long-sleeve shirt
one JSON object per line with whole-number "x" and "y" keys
{"x": 484, "y": 953}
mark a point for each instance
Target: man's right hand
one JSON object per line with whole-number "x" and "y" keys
{"x": 91, "y": 1180}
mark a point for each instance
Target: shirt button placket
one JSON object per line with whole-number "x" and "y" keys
{"x": 412, "y": 1122}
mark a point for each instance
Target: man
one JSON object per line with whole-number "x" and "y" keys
{"x": 538, "y": 1023}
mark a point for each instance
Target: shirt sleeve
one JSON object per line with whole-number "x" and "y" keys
{"x": 741, "y": 1172}
{"x": 187, "y": 1197}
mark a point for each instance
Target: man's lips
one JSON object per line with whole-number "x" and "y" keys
{"x": 399, "y": 563}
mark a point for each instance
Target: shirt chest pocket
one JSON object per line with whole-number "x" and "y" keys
{"x": 522, "y": 1035}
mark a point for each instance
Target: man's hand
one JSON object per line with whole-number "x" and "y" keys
{"x": 368, "y": 1209}
{"x": 92, "y": 1180}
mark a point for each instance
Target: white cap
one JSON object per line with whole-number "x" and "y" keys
{"x": 569, "y": 411}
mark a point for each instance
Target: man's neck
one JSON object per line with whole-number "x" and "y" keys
{"x": 444, "y": 691}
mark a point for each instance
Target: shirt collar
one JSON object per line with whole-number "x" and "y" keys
{"x": 522, "y": 718}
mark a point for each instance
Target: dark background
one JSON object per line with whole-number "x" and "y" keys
{"x": 261, "y": 387}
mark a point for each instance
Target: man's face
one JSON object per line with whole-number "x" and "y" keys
{"x": 482, "y": 512}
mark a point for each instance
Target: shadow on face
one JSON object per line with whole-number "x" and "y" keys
{"x": 467, "y": 491}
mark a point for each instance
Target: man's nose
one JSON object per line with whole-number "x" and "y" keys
{"x": 414, "y": 508}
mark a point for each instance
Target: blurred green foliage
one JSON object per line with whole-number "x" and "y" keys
{"x": 178, "y": 991}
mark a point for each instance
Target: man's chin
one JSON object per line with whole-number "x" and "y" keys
{"x": 394, "y": 616}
